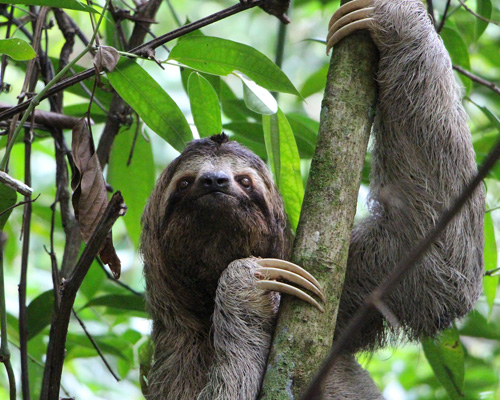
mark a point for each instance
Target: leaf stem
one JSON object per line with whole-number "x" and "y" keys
{"x": 36, "y": 100}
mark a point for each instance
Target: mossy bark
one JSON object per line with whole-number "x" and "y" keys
{"x": 303, "y": 336}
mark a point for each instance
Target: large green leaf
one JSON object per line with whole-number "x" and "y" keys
{"x": 458, "y": 52}
{"x": 257, "y": 98}
{"x": 205, "y": 105}
{"x": 315, "y": 82}
{"x": 222, "y": 57}
{"x": 285, "y": 162}
{"x": 135, "y": 179}
{"x": 17, "y": 49}
{"x": 446, "y": 357}
{"x": 69, "y": 4}
{"x": 483, "y": 8}
{"x": 8, "y": 198}
{"x": 151, "y": 102}
{"x": 305, "y": 130}
{"x": 490, "y": 283}
{"x": 39, "y": 313}
{"x": 129, "y": 302}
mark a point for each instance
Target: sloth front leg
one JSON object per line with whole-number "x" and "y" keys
{"x": 246, "y": 304}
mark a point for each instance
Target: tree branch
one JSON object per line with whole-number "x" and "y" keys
{"x": 69, "y": 288}
{"x": 151, "y": 45}
{"x": 477, "y": 79}
{"x": 302, "y": 336}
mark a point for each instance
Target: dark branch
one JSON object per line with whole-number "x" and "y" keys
{"x": 69, "y": 288}
{"x": 477, "y": 79}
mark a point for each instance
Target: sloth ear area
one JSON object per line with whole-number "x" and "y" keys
{"x": 351, "y": 17}
{"x": 272, "y": 269}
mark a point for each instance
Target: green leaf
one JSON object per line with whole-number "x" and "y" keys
{"x": 8, "y": 198}
{"x": 205, "y": 105}
{"x": 135, "y": 180}
{"x": 249, "y": 134}
{"x": 446, "y": 357}
{"x": 315, "y": 82}
{"x": 257, "y": 98}
{"x": 151, "y": 102}
{"x": 490, "y": 283}
{"x": 305, "y": 130}
{"x": 17, "y": 49}
{"x": 128, "y": 302}
{"x": 222, "y": 57}
{"x": 69, "y": 4}
{"x": 39, "y": 313}
{"x": 458, "y": 52}
{"x": 483, "y": 8}
{"x": 285, "y": 163}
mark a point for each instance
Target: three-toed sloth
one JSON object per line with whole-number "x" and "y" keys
{"x": 216, "y": 207}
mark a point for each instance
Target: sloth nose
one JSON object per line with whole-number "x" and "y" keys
{"x": 214, "y": 180}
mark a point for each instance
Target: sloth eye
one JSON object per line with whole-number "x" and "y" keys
{"x": 245, "y": 182}
{"x": 183, "y": 184}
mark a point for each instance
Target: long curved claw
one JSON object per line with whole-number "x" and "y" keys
{"x": 273, "y": 268}
{"x": 288, "y": 266}
{"x": 275, "y": 274}
{"x": 349, "y": 18}
{"x": 288, "y": 289}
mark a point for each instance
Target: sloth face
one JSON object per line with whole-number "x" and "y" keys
{"x": 220, "y": 182}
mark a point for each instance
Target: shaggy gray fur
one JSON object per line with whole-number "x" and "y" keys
{"x": 212, "y": 327}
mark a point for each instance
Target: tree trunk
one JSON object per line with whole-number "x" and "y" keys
{"x": 303, "y": 336}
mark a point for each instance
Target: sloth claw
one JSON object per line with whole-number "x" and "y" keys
{"x": 349, "y": 18}
{"x": 272, "y": 269}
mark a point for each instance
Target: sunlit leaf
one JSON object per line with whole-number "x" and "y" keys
{"x": 17, "y": 49}
{"x": 151, "y": 102}
{"x": 446, "y": 357}
{"x": 222, "y": 57}
{"x": 285, "y": 163}
{"x": 205, "y": 105}
{"x": 136, "y": 179}
{"x": 257, "y": 98}
{"x": 69, "y": 4}
{"x": 483, "y": 8}
{"x": 490, "y": 283}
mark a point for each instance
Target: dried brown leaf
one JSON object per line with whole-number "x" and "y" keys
{"x": 106, "y": 58}
{"x": 89, "y": 191}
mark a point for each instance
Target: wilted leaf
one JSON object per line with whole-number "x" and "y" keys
{"x": 446, "y": 357}
{"x": 106, "y": 58}
{"x": 89, "y": 192}
{"x": 17, "y": 49}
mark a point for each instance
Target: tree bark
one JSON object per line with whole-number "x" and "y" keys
{"x": 303, "y": 336}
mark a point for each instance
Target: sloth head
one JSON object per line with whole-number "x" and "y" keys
{"x": 213, "y": 204}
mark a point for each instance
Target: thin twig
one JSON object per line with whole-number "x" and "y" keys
{"x": 19, "y": 204}
{"x": 61, "y": 316}
{"x": 153, "y": 44}
{"x": 315, "y": 389}
{"x": 96, "y": 346}
{"x": 443, "y": 18}
{"x": 14, "y": 184}
{"x": 478, "y": 79}
{"x": 26, "y": 229}
{"x": 491, "y": 272}
{"x": 478, "y": 15}
{"x": 118, "y": 282}
{"x": 4, "y": 344}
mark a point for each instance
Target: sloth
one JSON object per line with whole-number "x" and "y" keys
{"x": 215, "y": 230}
